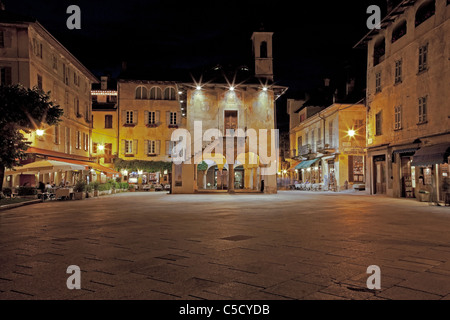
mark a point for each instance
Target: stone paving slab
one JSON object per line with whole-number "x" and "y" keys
{"x": 293, "y": 245}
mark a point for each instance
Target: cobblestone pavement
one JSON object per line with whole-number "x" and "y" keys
{"x": 293, "y": 245}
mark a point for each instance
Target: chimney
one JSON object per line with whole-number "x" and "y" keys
{"x": 327, "y": 82}
{"x": 104, "y": 82}
{"x": 124, "y": 66}
{"x": 2, "y": 6}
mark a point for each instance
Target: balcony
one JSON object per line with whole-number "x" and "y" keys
{"x": 304, "y": 150}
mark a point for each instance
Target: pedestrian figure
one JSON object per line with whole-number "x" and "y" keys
{"x": 262, "y": 185}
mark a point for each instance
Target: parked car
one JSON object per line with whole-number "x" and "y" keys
{"x": 158, "y": 187}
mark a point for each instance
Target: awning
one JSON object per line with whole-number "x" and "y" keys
{"x": 292, "y": 168}
{"x": 306, "y": 164}
{"x": 90, "y": 165}
{"x": 45, "y": 166}
{"x": 408, "y": 150}
{"x": 428, "y": 156}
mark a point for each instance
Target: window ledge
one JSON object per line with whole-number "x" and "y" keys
{"x": 129, "y": 155}
{"x": 399, "y": 129}
{"x": 152, "y": 155}
{"x": 421, "y": 123}
{"x": 422, "y": 71}
{"x": 152, "y": 125}
{"x": 398, "y": 83}
{"x": 173, "y": 126}
{"x": 129, "y": 125}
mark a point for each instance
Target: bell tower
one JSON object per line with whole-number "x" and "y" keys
{"x": 262, "y": 50}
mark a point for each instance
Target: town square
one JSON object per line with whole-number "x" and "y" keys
{"x": 241, "y": 151}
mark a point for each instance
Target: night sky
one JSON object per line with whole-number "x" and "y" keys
{"x": 312, "y": 40}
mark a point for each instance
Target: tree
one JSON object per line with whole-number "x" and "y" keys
{"x": 22, "y": 110}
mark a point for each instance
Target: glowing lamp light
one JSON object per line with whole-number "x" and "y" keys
{"x": 180, "y": 92}
{"x": 309, "y": 169}
{"x": 264, "y": 89}
{"x": 101, "y": 147}
{"x": 351, "y": 133}
{"x": 231, "y": 88}
{"x": 279, "y": 173}
{"x": 285, "y": 171}
{"x": 140, "y": 171}
{"x": 125, "y": 172}
{"x": 39, "y": 132}
{"x": 296, "y": 170}
{"x": 199, "y": 88}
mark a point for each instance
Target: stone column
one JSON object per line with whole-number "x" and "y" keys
{"x": 230, "y": 178}
{"x": 255, "y": 178}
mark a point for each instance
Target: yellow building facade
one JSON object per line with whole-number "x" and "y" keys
{"x": 328, "y": 146}
{"x": 32, "y": 57}
{"x": 408, "y": 116}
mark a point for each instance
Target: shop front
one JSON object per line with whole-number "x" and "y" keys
{"x": 430, "y": 172}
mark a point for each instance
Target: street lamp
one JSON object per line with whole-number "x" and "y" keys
{"x": 351, "y": 133}
{"x": 39, "y": 132}
{"x": 101, "y": 148}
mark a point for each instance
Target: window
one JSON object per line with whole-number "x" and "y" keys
{"x": 2, "y": 39}
{"x": 299, "y": 142}
{"x": 379, "y": 51}
{"x": 398, "y": 71}
{"x": 231, "y": 120}
{"x": 94, "y": 147}
{"x": 378, "y": 82}
{"x": 330, "y": 133}
{"x": 423, "y": 110}
{"x": 155, "y": 93}
{"x": 151, "y": 147}
{"x": 78, "y": 140}
{"x": 173, "y": 118}
{"x": 151, "y": 117}
{"x": 423, "y": 58}
{"x": 65, "y": 74}
{"x": 141, "y": 93}
{"x": 55, "y": 62}
{"x": 37, "y": 48}
{"x": 355, "y": 169}
{"x": 76, "y": 104}
{"x": 170, "y": 145}
{"x": 425, "y": 12}
{"x": 76, "y": 79}
{"x": 399, "y": 31}
{"x": 67, "y": 138}
{"x": 263, "y": 49}
{"x": 398, "y": 117}
{"x": 5, "y": 75}
{"x": 39, "y": 81}
{"x": 378, "y": 124}
{"x": 56, "y": 135}
{"x": 358, "y": 124}
{"x": 169, "y": 94}
{"x": 128, "y": 146}
{"x": 302, "y": 117}
{"x": 129, "y": 117}
{"x": 108, "y": 153}
{"x": 85, "y": 141}
{"x": 108, "y": 121}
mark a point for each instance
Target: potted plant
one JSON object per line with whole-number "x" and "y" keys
{"x": 131, "y": 188}
{"x": 79, "y": 190}
{"x": 89, "y": 191}
{"x": 95, "y": 186}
